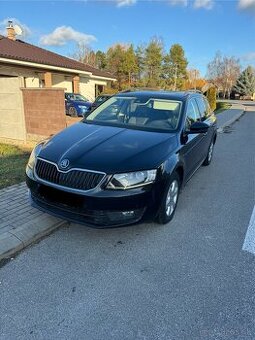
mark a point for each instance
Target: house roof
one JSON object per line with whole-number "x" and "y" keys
{"x": 20, "y": 50}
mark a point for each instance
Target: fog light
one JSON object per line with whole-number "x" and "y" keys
{"x": 128, "y": 213}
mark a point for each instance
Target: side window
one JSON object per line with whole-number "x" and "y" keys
{"x": 192, "y": 113}
{"x": 202, "y": 108}
{"x": 208, "y": 108}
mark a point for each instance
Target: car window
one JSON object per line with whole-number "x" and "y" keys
{"x": 141, "y": 112}
{"x": 202, "y": 108}
{"x": 192, "y": 113}
{"x": 208, "y": 108}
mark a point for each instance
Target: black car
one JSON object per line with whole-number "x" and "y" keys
{"x": 126, "y": 161}
{"x": 100, "y": 100}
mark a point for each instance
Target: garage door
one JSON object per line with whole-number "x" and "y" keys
{"x": 12, "y": 124}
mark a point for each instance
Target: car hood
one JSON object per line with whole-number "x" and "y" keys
{"x": 109, "y": 149}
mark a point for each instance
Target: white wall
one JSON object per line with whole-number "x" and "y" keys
{"x": 59, "y": 80}
{"x": 87, "y": 87}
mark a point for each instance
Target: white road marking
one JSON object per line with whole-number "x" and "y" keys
{"x": 249, "y": 241}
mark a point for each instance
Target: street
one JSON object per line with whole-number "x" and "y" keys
{"x": 189, "y": 279}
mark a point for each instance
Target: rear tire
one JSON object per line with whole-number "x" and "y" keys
{"x": 170, "y": 199}
{"x": 208, "y": 159}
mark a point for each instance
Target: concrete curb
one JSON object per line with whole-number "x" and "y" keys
{"x": 231, "y": 121}
{"x": 26, "y": 234}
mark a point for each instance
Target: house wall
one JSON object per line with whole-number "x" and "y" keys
{"x": 59, "y": 80}
{"x": 87, "y": 87}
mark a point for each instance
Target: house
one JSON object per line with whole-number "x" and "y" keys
{"x": 38, "y": 68}
{"x": 32, "y": 85}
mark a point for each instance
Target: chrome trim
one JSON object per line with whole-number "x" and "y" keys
{"x": 64, "y": 188}
{"x": 79, "y": 169}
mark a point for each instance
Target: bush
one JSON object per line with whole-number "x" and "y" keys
{"x": 211, "y": 96}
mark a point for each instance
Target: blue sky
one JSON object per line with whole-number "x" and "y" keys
{"x": 202, "y": 27}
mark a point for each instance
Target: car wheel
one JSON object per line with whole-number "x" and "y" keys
{"x": 208, "y": 159}
{"x": 72, "y": 111}
{"x": 170, "y": 200}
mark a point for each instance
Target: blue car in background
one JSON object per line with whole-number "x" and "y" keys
{"x": 77, "y": 105}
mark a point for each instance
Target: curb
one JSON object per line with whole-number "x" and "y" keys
{"x": 26, "y": 234}
{"x": 231, "y": 121}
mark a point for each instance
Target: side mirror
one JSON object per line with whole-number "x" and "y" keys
{"x": 198, "y": 127}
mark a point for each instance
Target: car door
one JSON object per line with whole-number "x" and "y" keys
{"x": 192, "y": 143}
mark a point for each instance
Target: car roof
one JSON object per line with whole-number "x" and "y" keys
{"x": 173, "y": 95}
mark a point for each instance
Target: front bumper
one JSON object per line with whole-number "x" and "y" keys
{"x": 106, "y": 209}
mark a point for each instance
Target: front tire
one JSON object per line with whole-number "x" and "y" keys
{"x": 72, "y": 111}
{"x": 170, "y": 199}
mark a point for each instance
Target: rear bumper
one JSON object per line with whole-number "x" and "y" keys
{"x": 106, "y": 209}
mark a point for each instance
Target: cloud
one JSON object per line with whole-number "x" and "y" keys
{"x": 25, "y": 29}
{"x": 124, "y": 3}
{"x": 63, "y": 34}
{"x": 248, "y": 5}
{"x": 206, "y": 4}
{"x": 183, "y": 3}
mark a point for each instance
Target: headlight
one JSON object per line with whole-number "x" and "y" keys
{"x": 32, "y": 159}
{"x": 132, "y": 180}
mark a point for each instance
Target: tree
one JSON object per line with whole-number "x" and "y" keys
{"x": 115, "y": 62}
{"x": 130, "y": 63}
{"x": 84, "y": 54}
{"x": 153, "y": 59}
{"x": 101, "y": 61}
{"x": 211, "y": 96}
{"x": 245, "y": 84}
{"x": 175, "y": 67}
{"x": 223, "y": 72}
{"x": 140, "y": 61}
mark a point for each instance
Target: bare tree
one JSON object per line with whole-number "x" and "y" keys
{"x": 223, "y": 71}
{"x": 193, "y": 75}
{"x": 84, "y": 54}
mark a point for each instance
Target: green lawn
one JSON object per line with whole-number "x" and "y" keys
{"x": 13, "y": 160}
{"x": 221, "y": 106}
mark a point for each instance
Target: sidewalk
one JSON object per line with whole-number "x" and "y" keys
{"x": 21, "y": 224}
{"x": 228, "y": 117}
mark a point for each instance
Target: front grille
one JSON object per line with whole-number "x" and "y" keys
{"x": 75, "y": 179}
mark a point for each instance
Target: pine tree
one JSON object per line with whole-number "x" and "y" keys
{"x": 101, "y": 60}
{"x": 175, "y": 67}
{"x": 153, "y": 60}
{"x": 130, "y": 63}
{"x": 245, "y": 84}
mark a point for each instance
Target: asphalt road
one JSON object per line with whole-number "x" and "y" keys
{"x": 186, "y": 280}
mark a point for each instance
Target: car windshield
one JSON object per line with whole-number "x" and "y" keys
{"x": 77, "y": 97}
{"x": 138, "y": 112}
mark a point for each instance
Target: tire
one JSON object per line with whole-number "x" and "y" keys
{"x": 168, "y": 205}
{"x": 209, "y": 155}
{"x": 72, "y": 111}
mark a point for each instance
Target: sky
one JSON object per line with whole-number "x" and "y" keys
{"x": 202, "y": 27}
